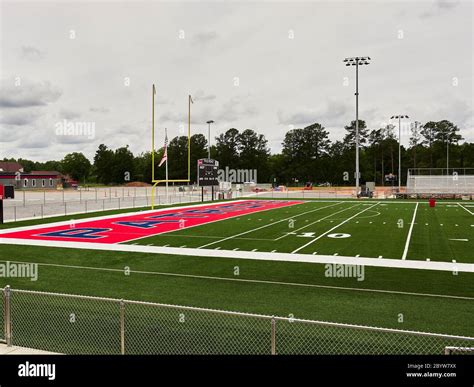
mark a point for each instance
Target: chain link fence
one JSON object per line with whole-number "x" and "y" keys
{"x": 74, "y": 324}
{"x": 2, "y": 322}
{"x": 12, "y": 213}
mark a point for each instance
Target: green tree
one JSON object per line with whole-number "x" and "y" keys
{"x": 77, "y": 166}
{"x": 227, "y": 148}
{"x": 177, "y": 158}
{"x": 198, "y": 151}
{"x": 429, "y": 135}
{"x": 415, "y": 139}
{"x": 123, "y": 165}
{"x": 103, "y": 164}
{"x": 253, "y": 152}
{"x": 350, "y": 137}
{"x": 304, "y": 149}
{"x": 375, "y": 139}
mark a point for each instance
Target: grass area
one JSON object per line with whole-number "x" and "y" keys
{"x": 444, "y": 315}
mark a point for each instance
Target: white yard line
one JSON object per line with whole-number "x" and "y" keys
{"x": 316, "y": 221}
{"x": 264, "y": 226}
{"x": 460, "y": 205}
{"x": 269, "y": 282}
{"x": 332, "y": 229}
{"x": 258, "y": 255}
{"x": 410, "y": 231}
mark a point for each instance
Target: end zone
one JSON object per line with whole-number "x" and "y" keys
{"x": 125, "y": 228}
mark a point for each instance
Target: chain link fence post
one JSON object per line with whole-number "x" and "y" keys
{"x": 7, "y": 315}
{"x": 122, "y": 327}
{"x": 273, "y": 336}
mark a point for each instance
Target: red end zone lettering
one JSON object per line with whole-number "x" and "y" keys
{"x": 125, "y": 228}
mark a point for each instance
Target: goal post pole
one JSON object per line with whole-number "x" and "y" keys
{"x": 153, "y": 180}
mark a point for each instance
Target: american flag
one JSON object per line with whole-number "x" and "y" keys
{"x": 165, "y": 154}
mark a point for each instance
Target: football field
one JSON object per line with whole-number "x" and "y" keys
{"x": 414, "y": 263}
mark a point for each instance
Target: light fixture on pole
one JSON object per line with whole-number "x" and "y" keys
{"x": 399, "y": 117}
{"x": 209, "y": 139}
{"x": 357, "y": 61}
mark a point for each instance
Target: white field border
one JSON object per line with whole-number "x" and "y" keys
{"x": 257, "y": 255}
{"x": 410, "y": 231}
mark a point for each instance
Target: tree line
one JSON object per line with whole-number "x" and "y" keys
{"x": 307, "y": 155}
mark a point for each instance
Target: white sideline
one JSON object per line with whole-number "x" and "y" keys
{"x": 257, "y": 255}
{"x": 333, "y": 228}
{"x": 407, "y": 243}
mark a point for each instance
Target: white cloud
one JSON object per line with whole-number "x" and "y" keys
{"x": 27, "y": 93}
{"x": 283, "y": 81}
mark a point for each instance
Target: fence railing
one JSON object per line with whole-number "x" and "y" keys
{"x": 42, "y": 210}
{"x": 75, "y": 324}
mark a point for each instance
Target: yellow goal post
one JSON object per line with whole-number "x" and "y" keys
{"x": 154, "y": 181}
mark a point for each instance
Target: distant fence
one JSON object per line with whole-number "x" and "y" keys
{"x": 322, "y": 193}
{"x": 45, "y": 206}
{"x": 74, "y": 324}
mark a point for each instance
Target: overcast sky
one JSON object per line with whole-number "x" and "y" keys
{"x": 264, "y": 66}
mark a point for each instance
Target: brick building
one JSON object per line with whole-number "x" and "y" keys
{"x": 12, "y": 173}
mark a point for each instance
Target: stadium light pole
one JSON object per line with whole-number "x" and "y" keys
{"x": 357, "y": 61}
{"x": 447, "y": 154}
{"x": 399, "y": 117}
{"x": 209, "y": 139}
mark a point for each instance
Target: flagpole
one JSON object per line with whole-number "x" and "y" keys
{"x": 166, "y": 150}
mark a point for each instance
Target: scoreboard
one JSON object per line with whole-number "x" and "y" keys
{"x": 207, "y": 172}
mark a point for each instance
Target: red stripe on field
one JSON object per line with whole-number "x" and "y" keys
{"x": 127, "y": 228}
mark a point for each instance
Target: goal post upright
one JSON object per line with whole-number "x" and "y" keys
{"x": 153, "y": 180}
